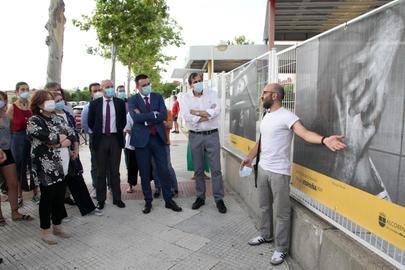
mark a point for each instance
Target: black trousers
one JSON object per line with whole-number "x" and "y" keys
{"x": 80, "y": 193}
{"x": 94, "y": 164}
{"x": 51, "y": 205}
{"x": 132, "y": 166}
{"x": 108, "y": 158}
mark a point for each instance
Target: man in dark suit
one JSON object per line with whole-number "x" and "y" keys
{"x": 107, "y": 120}
{"x": 148, "y": 136}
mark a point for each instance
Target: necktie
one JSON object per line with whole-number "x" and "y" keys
{"x": 107, "y": 119}
{"x": 153, "y": 130}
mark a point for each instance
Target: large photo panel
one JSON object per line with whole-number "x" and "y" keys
{"x": 351, "y": 81}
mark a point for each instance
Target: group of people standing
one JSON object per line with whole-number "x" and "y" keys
{"x": 141, "y": 125}
{"x": 39, "y": 133}
{"x": 39, "y": 136}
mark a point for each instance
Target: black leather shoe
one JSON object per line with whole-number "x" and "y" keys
{"x": 69, "y": 201}
{"x": 119, "y": 203}
{"x": 147, "y": 208}
{"x": 173, "y": 205}
{"x": 198, "y": 203}
{"x": 156, "y": 194}
{"x": 100, "y": 205}
{"x": 221, "y": 207}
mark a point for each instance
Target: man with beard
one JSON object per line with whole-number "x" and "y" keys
{"x": 277, "y": 128}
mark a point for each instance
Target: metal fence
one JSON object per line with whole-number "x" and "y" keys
{"x": 258, "y": 75}
{"x": 287, "y": 77}
{"x": 286, "y": 61}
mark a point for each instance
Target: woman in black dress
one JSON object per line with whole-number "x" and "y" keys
{"x": 74, "y": 178}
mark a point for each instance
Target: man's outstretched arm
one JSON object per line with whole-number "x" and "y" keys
{"x": 334, "y": 142}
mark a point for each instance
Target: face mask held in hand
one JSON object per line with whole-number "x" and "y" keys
{"x": 245, "y": 171}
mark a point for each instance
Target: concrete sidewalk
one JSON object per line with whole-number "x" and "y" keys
{"x": 128, "y": 239}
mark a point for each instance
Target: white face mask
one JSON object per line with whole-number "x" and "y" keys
{"x": 49, "y": 105}
{"x": 97, "y": 95}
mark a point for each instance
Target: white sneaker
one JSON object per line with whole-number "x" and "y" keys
{"x": 66, "y": 219}
{"x": 98, "y": 212}
{"x": 259, "y": 240}
{"x": 278, "y": 257}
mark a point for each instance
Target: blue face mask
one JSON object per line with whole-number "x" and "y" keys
{"x": 2, "y": 104}
{"x": 122, "y": 95}
{"x": 245, "y": 171}
{"x": 60, "y": 105}
{"x": 198, "y": 87}
{"x": 109, "y": 92}
{"x": 25, "y": 95}
{"x": 147, "y": 90}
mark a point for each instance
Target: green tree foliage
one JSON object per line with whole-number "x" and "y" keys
{"x": 138, "y": 28}
{"x": 165, "y": 89}
{"x": 240, "y": 40}
{"x": 83, "y": 95}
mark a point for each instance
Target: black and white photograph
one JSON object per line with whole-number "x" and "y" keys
{"x": 244, "y": 99}
{"x": 352, "y": 82}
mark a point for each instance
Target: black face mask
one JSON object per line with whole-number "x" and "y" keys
{"x": 267, "y": 103}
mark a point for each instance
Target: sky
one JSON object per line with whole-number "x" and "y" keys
{"x": 24, "y": 54}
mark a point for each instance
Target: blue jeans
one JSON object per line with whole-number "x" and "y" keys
{"x": 20, "y": 148}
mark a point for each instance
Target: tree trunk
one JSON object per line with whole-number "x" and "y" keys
{"x": 129, "y": 81}
{"x": 113, "y": 60}
{"x": 54, "y": 40}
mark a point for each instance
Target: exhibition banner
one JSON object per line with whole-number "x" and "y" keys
{"x": 351, "y": 82}
{"x": 245, "y": 100}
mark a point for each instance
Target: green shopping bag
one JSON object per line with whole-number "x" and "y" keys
{"x": 190, "y": 164}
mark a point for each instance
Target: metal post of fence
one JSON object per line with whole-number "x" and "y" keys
{"x": 222, "y": 90}
{"x": 273, "y": 66}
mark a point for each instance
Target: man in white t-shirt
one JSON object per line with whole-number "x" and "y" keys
{"x": 276, "y": 129}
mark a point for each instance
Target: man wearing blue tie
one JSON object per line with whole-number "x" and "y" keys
{"x": 148, "y": 136}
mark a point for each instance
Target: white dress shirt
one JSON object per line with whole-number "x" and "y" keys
{"x": 127, "y": 130}
{"x": 113, "y": 126}
{"x": 84, "y": 119}
{"x": 208, "y": 102}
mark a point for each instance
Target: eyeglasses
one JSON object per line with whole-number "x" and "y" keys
{"x": 194, "y": 82}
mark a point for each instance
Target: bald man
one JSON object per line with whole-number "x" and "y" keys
{"x": 107, "y": 120}
{"x": 276, "y": 133}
